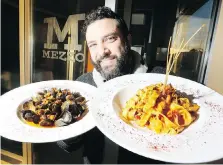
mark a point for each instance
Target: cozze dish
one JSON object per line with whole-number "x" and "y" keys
{"x": 54, "y": 108}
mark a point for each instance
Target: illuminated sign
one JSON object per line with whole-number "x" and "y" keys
{"x": 71, "y": 50}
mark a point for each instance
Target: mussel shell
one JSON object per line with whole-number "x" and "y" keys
{"x": 61, "y": 97}
{"x": 67, "y": 117}
{"x": 72, "y": 107}
{"x": 64, "y": 120}
{"x": 70, "y": 97}
{"x": 38, "y": 98}
{"x": 50, "y": 106}
{"x": 56, "y": 108}
{"x": 84, "y": 107}
{"x": 48, "y": 112}
{"x": 44, "y": 106}
{"x": 80, "y": 109}
{"x": 60, "y": 123}
{"x": 29, "y": 106}
{"x": 27, "y": 113}
{"x": 66, "y": 92}
{"x": 53, "y": 93}
{"x": 36, "y": 119}
{"x": 76, "y": 110}
{"x": 76, "y": 94}
{"x": 30, "y": 116}
{"x": 23, "y": 112}
{"x": 80, "y": 100}
{"x": 46, "y": 122}
{"x": 65, "y": 106}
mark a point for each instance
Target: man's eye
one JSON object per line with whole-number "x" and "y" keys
{"x": 91, "y": 45}
{"x": 111, "y": 39}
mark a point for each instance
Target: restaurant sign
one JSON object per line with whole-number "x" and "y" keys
{"x": 71, "y": 50}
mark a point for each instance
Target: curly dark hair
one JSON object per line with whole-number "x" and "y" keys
{"x": 105, "y": 12}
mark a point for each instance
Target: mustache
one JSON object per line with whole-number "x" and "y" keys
{"x": 105, "y": 57}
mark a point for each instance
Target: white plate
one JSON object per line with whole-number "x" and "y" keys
{"x": 15, "y": 129}
{"x": 200, "y": 142}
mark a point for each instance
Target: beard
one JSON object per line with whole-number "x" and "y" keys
{"x": 120, "y": 67}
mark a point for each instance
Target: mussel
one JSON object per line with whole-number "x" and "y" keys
{"x": 27, "y": 115}
{"x": 76, "y": 94}
{"x": 54, "y": 107}
{"x": 78, "y": 110}
{"x": 67, "y": 117}
{"x": 30, "y": 116}
{"x": 65, "y": 106}
{"x": 39, "y": 97}
{"x": 53, "y": 92}
{"x": 64, "y": 120}
{"x": 60, "y": 123}
{"x": 46, "y": 123}
{"x": 36, "y": 119}
{"x": 70, "y": 97}
{"x": 29, "y": 106}
{"x": 80, "y": 100}
{"x": 71, "y": 106}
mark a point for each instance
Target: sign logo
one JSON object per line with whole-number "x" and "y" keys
{"x": 71, "y": 50}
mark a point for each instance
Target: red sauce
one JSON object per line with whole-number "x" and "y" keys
{"x": 166, "y": 110}
{"x": 180, "y": 119}
{"x": 155, "y": 147}
{"x": 137, "y": 117}
{"x": 158, "y": 100}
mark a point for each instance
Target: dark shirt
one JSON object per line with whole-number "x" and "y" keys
{"x": 87, "y": 78}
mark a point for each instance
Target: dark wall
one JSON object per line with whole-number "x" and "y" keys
{"x": 9, "y": 37}
{"x": 164, "y": 21}
{"x": 163, "y": 13}
{"x": 10, "y": 57}
{"x": 9, "y": 45}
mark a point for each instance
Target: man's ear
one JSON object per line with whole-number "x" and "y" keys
{"x": 129, "y": 38}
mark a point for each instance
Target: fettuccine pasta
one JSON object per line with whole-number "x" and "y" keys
{"x": 160, "y": 111}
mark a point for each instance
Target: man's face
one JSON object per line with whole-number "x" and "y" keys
{"x": 107, "y": 47}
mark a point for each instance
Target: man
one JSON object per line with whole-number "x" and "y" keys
{"x": 108, "y": 40}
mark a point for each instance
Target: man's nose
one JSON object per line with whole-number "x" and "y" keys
{"x": 103, "y": 50}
